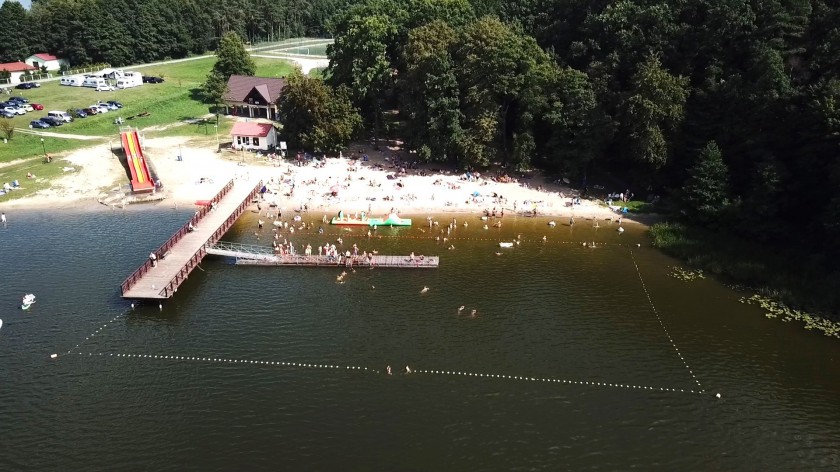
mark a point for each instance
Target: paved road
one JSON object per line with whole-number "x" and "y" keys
{"x": 288, "y": 44}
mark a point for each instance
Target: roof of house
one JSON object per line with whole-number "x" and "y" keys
{"x": 45, "y": 57}
{"x": 249, "y": 128}
{"x": 239, "y": 86}
{"x": 16, "y": 66}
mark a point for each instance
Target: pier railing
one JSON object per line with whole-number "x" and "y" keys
{"x": 165, "y": 247}
{"x": 173, "y": 284}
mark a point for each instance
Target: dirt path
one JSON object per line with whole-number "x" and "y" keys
{"x": 49, "y": 134}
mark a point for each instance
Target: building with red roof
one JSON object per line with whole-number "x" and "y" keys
{"x": 253, "y": 97}
{"x": 42, "y": 59}
{"x": 253, "y": 135}
{"x": 17, "y": 69}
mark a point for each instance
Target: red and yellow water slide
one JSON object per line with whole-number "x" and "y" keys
{"x": 141, "y": 179}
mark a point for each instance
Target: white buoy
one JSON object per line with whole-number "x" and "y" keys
{"x": 53, "y": 356}
{"x": 717, "y": 395}
{"x": 132, "y": 306}
{"x": 160, "y": 306}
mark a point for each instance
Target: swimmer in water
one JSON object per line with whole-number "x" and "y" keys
{"x": 388, "y": 369}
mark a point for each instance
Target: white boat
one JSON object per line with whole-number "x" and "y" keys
{"x": 504, "y": 244}
{"x": 27, "y": 301}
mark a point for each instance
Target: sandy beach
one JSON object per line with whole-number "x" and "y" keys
{"x": 377, "y": 186}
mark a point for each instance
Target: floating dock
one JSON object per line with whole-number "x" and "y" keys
{"x": 244, "y": 254}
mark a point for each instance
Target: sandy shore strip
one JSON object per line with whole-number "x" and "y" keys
{"x": 376, "y": 186}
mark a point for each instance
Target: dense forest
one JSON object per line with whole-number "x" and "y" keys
{"x": 727, "y": 109}
{"x": 123, "y": 32}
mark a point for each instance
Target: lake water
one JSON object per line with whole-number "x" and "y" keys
{"x": 505, "y": 390}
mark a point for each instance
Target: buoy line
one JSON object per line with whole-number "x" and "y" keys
{"x": 309, "y": 365}
{"x": 96, "y": 331}
{"x": 662, "y": 324}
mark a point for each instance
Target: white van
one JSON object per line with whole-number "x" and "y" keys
{"x": 61, "y": 115}
{"x": 94, "y": 82}
{"x": 75, "y": 81}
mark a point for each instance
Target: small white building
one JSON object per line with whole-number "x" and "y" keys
{"x": 17, "y": 69}
{"x": 253, "y": 136}
{"x": 49, "y": 61}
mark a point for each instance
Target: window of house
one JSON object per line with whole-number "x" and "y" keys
{"x": 239, "y": 140}
{"x": 256, "y": 141}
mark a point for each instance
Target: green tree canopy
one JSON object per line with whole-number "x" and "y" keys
{"x": 316, "y": 117}
{"x": 706, "y": 191}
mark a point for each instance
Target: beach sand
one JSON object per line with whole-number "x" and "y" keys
{"x": 341, "y": 183}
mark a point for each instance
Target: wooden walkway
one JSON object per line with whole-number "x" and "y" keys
{"x": 179, "y": 255}
{"x": 402, "y": 262}
{"x": 247, "y": 254}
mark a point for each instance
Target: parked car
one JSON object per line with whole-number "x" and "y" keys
{"x": 27, "y": 107}
{"x": 100, "y": 107}
{"x": 14, "y": 109}
{"x": 104, "y": 88}
{"x": 92, "y": 110}
{"x": 115, "y": 104}
{"x": 150, "y": 79}
{"x": 109, "y": 105}
{"x": 6, "y": 114}
{"x": 79, "y": 113}
{"x": 26, "y": 86}
{"x": 37, "y": 106}
{"x": 52, "y": 121}
{"x": 39, "y": 124}
{"x": 19, "y": 99}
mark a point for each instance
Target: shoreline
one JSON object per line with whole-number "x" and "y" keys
{"x": 375, "y": 186}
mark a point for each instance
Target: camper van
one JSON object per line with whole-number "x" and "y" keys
{"x": 94, "y": 82}
{"x": 74, "y": 81}
{"x": 61, "y": 115}
{"x": 130, "y": 79}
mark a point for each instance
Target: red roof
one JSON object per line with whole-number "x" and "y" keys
{"x": 45, "y": 57}
{"x": 16, "y": 66}
{"x": 245, "y": 128}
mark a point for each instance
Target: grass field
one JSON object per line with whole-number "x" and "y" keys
{"x": 170, "y": 105}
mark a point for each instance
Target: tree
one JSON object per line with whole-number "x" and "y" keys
{"x": 705, "y": 193}
{"x": 653, "y": 111}
{"x": 214, "y": 90}
{"x": 7, "y": 129}
{"x": 232, "y": 58}
{"x": 14, "y": 42}
{"x": 361, "y": 59}
{"x": 494, "y": 65}
{"x": 315, "y": 116}
{"x": 429, "y": 92}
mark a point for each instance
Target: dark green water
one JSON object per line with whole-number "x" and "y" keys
{"x": 555, "y": 312}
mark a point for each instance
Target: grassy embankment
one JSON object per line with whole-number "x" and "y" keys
{"x": 782, "y": 279}
{"x": 171, "y": 106}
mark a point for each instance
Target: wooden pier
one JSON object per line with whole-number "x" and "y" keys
{"x": 182, "y": 252}
{"x": 258, "y": 255}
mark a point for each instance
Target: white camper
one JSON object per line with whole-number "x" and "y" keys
{"x": 130, "y": 79}
{"x": 74, "y": 81}
{"x": 94, "y": 82}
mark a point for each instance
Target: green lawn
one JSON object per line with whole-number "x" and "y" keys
{"x": 169, "y": 105}
{"x": 171, "y": 102}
